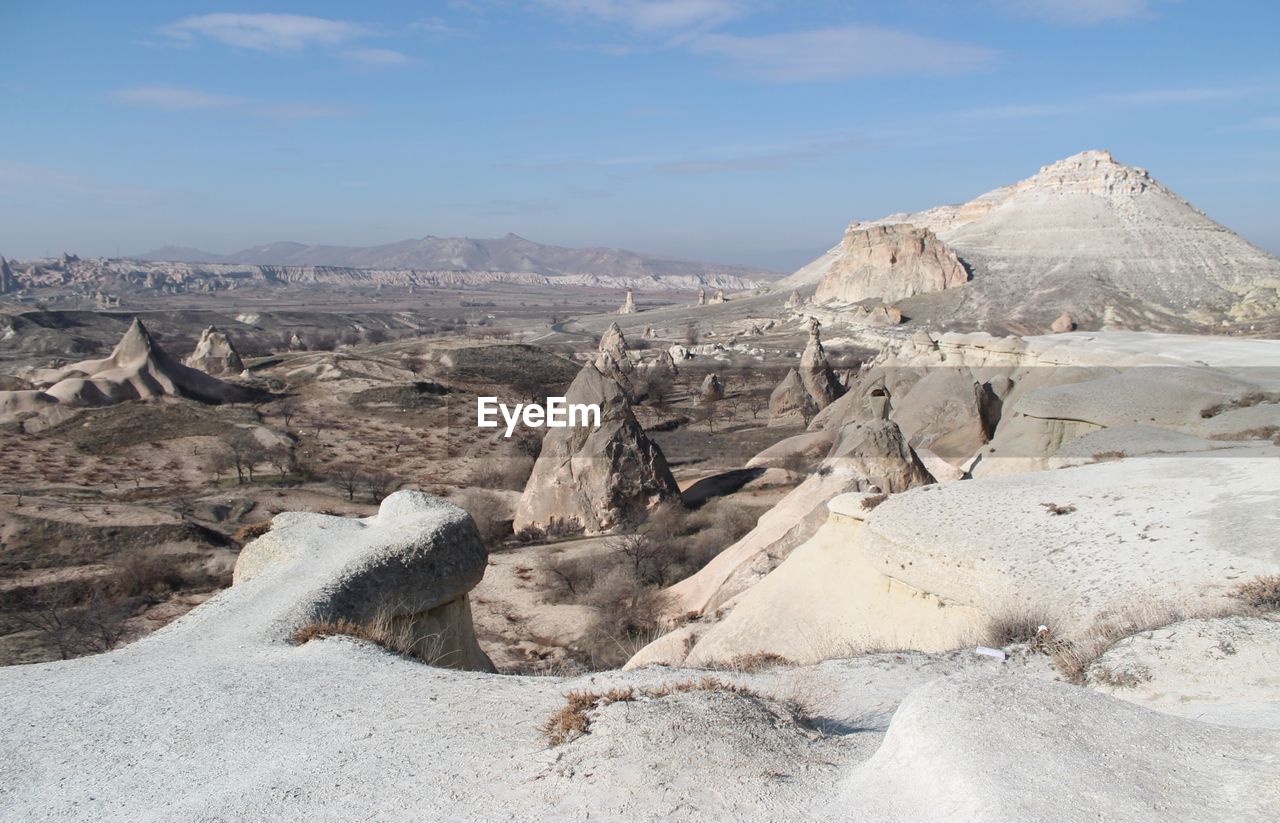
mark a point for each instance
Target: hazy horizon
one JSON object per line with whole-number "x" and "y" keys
{"x": 729, "y": 131}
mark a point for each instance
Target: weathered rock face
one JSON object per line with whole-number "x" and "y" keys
{"x": 790, "y": 402}
{"x": 215, "y": 354}
{"x": 891, "y": 263}
{"x": 795, "y": 301}
{"x": 8, "y": 284}
{"x": 650, "y": 333}
{"x": 702, "y": 297}
{"x": 718, "y": 297}
{"x": 1063, "y": 324}
{"x": 136, "y": 369}
{"x": 408, "y": 569}
{"x": 628, "y": 305}
{"x": 1099, "y": 240}
{"x": 712, "y": 388}
{"x": 599, "y": 478}
{"x": 819, "y": 380}
{"x": 863, "y": 457}
{"x": 614, "y": 342}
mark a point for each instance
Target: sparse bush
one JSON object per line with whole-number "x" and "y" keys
{"x": 393, "y": 634}
{"x": 490, "y": 513}
{"x": 574, "y": 719}
{"x": 1262, "y": 593}
{"x": 756, "y": 662}
{"x": 252, "y": 531}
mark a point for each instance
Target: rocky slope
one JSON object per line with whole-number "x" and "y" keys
{"x": 1103, "y": 242}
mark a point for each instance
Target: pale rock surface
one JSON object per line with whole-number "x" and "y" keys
{"x": 819, "y": 380}
{"x": 862, "y": 456}
{"x": 215, "y": 354}
{"x": 596, "y": 478}
{"x": 890, "y": 263}
{"x": 712, "y": 389}
{"x": 137, "y": 369}
{"x": 789, "y": 402}
{"x": 1101, "y": 241}
{"x": 956, "y": 746}
{"x": 1219, "y": 671}
{"x": 1063, "y": 324}
{"x": 628, "y": 305}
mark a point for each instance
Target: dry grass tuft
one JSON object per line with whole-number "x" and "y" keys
{"x": 1054, "y": 508}
{"x": 573, "y": 720}
{"x": 756, "y": 662}
{"x": 1262, "y": 593}
{"x": 871, "y": 501}
{"x": 252, "y": 531}
{"x": 391, "y": 633}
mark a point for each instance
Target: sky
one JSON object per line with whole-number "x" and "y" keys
{"x": 742, "y": 131}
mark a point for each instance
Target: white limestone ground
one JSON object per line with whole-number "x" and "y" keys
{"x": 1224, "y": 671}
{"x": 219, "y": 717}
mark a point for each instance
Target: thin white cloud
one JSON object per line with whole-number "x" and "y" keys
{"x": 652, "y": 16}
{"x": 1079, "y": 12}
{"x": 836, "y": 53}
{"x": 35, "y": 180}
{"x": 378, "y": 58}
{"x": 266, "y": 32}
{"x": 177, "y": 99}
{"x": 174, "y": 98}
{"x": 1174, "y": 96}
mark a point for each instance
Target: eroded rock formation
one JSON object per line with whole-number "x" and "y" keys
{"x": 595, "y": 479}
{"x": 215, "y": 354}
{"x": 628, "y": 305}
{"x": 890, "y": 263}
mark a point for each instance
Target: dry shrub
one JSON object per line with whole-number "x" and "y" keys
{"x": 756, "y": 662}
{"x": 503, "y": 472}
{"x": 1262, "y": 593}
{"x": 1018, "y": 624}
{"x": 394, "y": 635}
{"x": 138, "y": 573}
{"x": 1055, "y": 509}
{"x": 1074, "y": 658}
{"x": 490, "y": 513}
{"x": 871, "y": 501}
{"x": 252, "y": 531}
{"x": 1103, "y": 457}
{"x": 573, "y": 720}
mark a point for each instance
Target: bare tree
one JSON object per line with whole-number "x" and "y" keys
{"x": 378, "y": 484}
{"x": 347, "y": 476}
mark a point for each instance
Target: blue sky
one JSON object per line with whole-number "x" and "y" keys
{"x": 734, "y": 130}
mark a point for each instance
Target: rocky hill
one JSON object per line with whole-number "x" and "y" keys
{"x": 1103, "y": 242}
{"x": 511, "y": 253}
{"x": 116, "y": 275}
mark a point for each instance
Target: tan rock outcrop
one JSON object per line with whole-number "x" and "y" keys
{"x": 1063, "y": 324}
{"x": 789, "y": 403}
{"x": 215, "y": 354}
{"x": 718, "y": 297}
{"x": 596, "y": 478}
{"x": 712, "y": 389}
{"x": 137, "y": 369}
{"x": 891, "y": 263}
{"x": 819, "y": 380}
{"x": 628, "y": 305}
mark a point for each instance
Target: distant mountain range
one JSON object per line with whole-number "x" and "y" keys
{"x": 511, "y": 253}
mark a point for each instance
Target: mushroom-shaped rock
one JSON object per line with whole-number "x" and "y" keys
{"x": 407, "y": 569}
